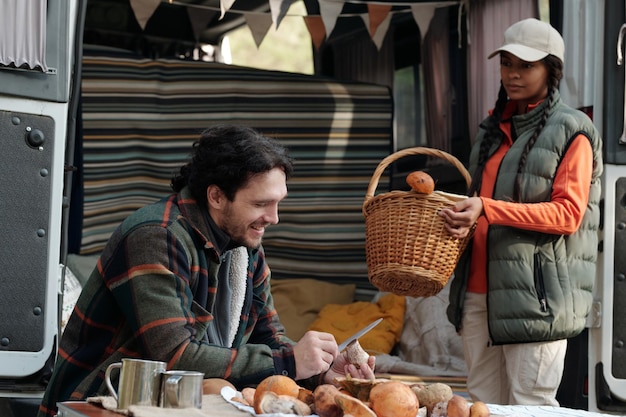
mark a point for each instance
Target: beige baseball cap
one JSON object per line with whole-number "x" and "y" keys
{"x": 532, "y": 40}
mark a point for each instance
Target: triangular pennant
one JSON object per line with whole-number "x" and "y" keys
{"x": 199, "y": 19}
{"x": 225, "y": 6}
{"x": 381, "y": 32}
{"x": 423, "y": 14}
{"x": 377, "y": 14}
{"x": 259, "y": 24}
{"x": 144, "y": 9}
{"x": 279, "y": 9}
{"x": 330, "y": 10}
{"x": 316, "y": 29}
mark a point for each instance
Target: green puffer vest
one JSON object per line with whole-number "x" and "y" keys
{"x": 539, "y": 285}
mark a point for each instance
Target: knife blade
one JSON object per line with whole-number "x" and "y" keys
{"x": 358, "y": 334}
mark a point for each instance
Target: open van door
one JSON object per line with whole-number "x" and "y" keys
{"x": 39, "y": 73}
{"x": 607, "y": 327}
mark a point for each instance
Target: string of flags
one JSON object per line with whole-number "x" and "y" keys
{"x": 320, "y": 27}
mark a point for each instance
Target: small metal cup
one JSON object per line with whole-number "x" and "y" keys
{"x": 181, "y": 389}
{"x": 139, "y": 382}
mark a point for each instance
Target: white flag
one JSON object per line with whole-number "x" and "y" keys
{"x": 423, "y": 14}
{"x": 225, "y": 6}
{"x": 330, "y": 10}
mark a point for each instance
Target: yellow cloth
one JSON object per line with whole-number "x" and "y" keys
{"x": 343, "y": 320}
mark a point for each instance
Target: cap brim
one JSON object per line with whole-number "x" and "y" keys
{"x": 522, "y": 52}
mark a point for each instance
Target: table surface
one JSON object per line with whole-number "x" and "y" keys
{"x": 216, "y": 406}
{"x": 83, "y": 409}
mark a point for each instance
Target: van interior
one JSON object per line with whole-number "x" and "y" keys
{"x": 104, "y": 113}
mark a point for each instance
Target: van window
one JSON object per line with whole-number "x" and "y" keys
{"x": 409, "y": 127}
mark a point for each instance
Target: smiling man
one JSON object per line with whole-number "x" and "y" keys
{"x": 185, "y": 281}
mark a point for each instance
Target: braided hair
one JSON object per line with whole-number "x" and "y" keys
{"x": 493, "y": 134}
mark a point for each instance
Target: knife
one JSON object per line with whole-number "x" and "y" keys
{"x": 358, "y": 334}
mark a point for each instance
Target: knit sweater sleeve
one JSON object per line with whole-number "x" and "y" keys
{"x": 566, "y": 208}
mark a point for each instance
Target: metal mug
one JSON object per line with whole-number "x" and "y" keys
{"x": 181, "y": 389}
{"x": 139, "y": 382}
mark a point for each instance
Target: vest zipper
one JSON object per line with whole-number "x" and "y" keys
{"x": 490, "y": 337}
{"x": 539, "y": 285}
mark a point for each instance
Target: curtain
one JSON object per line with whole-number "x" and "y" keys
{"x": 580, "y": 16}
{"x": 488, "y": 19}
{"x": 357, "y": 59}
{"x": 437, "y": 85}
{"x": 24, "y": 43}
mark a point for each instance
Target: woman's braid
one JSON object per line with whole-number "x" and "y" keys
{"x": 493, "y": 134}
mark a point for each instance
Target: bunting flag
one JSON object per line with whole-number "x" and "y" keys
{"x": 225, "y": 6}
{"x": 258, "y": 24}
{"x": 199, "y": 19}
{"x": 279, "y": 9}
{"x": 377, "y": 14}
{"x": 330, "y": 10}
{"x": 320, "y": 27}
{"x": 423, "y": 14}
{"x": 379, "y": 36}
{"x": 381, "y": 32}
{"x": 144, "y": 9}
{"x": 315, "y": 25}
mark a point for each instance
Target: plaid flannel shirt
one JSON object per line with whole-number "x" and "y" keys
{"x": 141, "y": 301}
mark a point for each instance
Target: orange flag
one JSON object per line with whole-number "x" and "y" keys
{"x": 315, "y": 25}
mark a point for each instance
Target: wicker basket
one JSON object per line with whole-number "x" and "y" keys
{"x": 408, "y": 250}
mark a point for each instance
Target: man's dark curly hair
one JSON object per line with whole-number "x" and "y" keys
{"x": 227, "y": 156}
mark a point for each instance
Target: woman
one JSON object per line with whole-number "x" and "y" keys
{"x": 524, "y": 285}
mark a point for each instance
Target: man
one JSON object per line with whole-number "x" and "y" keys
{"x": 185, "y": 281}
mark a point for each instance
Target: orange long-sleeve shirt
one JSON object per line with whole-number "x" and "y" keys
{"x": 561, "y": 215}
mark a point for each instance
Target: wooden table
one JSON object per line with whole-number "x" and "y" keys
{"x": 83, "y": 409}
{"x": 216, "y": 406}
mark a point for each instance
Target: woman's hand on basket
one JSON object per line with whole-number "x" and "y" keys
{"x": 460, "y": 218}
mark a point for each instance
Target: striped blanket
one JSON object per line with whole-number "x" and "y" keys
{"x": 140, "y": 117}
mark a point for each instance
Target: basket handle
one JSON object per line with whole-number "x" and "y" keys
{"x": 408, "y": 152}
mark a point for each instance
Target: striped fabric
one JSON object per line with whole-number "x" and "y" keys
{"x": 140, "y": 117}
